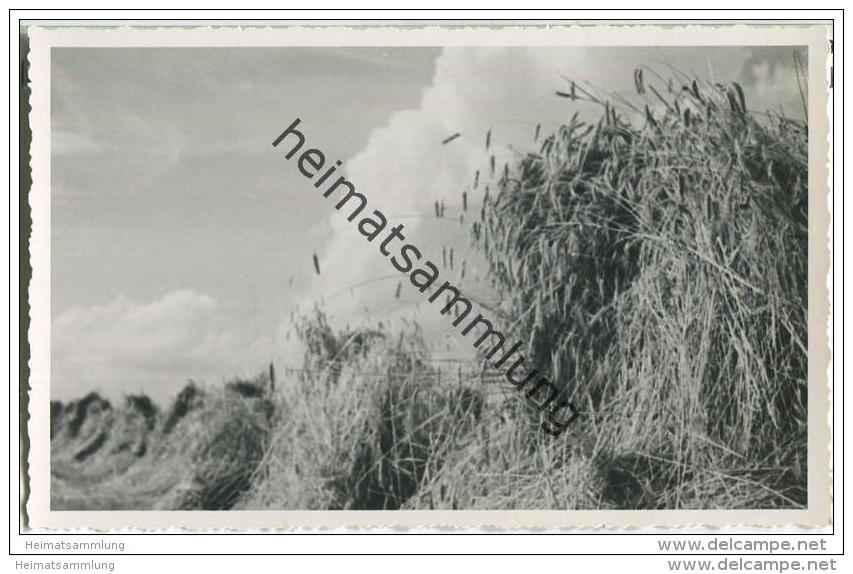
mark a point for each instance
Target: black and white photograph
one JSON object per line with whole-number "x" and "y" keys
{"x": 432, "y": 275}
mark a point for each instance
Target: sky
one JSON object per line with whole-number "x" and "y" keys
{"x": 182, "y": 241}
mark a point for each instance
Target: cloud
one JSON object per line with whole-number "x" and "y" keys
{"x": 405, "y": 168}
{"x": 126, "y": 346}
{"x": 773, "y": 80}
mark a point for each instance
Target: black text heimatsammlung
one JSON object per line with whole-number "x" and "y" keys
{"x": 423, "y": 273}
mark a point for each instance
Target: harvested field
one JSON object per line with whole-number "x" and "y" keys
{"x": 654, "y": 262}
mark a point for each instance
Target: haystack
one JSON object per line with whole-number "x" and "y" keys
{"x": 656, "y": 261}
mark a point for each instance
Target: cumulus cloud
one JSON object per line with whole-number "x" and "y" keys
{"x": 405, "y": 168}
{"x": 128, "y": 346}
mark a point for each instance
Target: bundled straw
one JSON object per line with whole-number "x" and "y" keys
{"x": 658, "y": 263}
